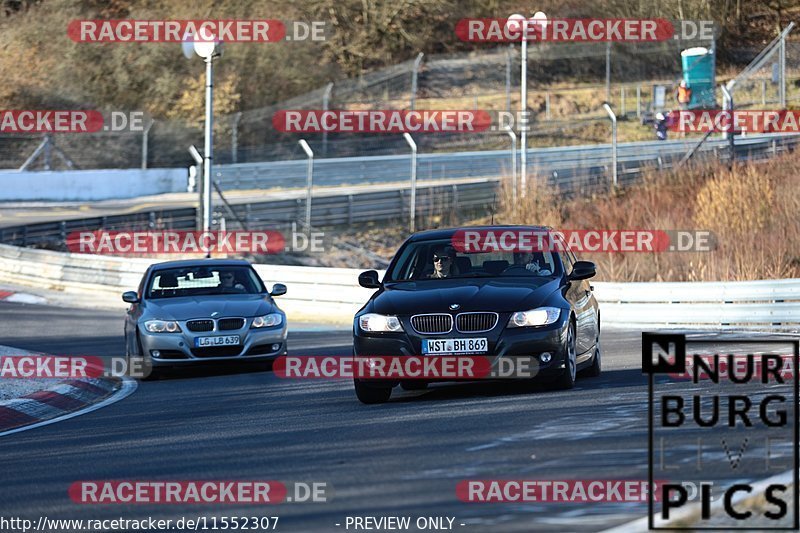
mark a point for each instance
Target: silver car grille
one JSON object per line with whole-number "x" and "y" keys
{"x": 223, "y": 324}
{"x": 432, "y": 323}
{"x": 228, "y": 324}
{"x": 200, "y": 325}
{"x": 476, "y": 322}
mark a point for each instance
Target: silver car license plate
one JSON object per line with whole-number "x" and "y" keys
{"x": 221, "y": 340}
{"x": 451, "y": 346}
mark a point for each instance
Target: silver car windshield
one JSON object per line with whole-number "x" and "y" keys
{"x": 203, "y": 281}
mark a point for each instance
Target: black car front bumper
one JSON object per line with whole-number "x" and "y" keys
{"x": 504, "y": 344}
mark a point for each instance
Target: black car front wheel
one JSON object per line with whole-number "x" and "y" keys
{"x": 566, "y": 380}
{"x": 597, "y": 365}
{"x": 372, "y": 395}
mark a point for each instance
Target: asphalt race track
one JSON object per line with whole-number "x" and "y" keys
{"x": 399, "y": 459}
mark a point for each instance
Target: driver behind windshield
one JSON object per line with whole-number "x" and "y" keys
{"x": 443, "y": 259}
{"x": 228, "y": 282}
{"x": 534, "y": 263}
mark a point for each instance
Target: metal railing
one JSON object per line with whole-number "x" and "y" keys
{"x": 330, "y": 210}
{"x": 334, "y": 293}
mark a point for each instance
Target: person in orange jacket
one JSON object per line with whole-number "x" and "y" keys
{"x": 684, "y": 95}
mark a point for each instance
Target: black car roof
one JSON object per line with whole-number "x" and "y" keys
{"x": 445, "y": 233}
{"x": 187, "y": 263}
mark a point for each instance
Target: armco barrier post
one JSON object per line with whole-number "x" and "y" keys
{"x": 145, "y": 142}
{"x": 309, "y": 182}
{"x": 413, "y": 203}
{"x": 613, "y": 118}
{"x": 513, "y": 136}
{"x": 414, "y": 75}
{"x": 326, "y": 99}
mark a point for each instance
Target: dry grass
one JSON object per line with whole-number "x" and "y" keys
{"x": 752, "y": 211}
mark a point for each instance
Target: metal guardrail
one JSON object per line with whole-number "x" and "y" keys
{"x": 577, "y": 169}
{"x": 568, "y": 167}
{"x": 332, "y": 210}
{"x": 334, "y": 293}
{"x": 755, "y": 304}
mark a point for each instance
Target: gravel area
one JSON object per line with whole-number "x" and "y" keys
{"x": 11, "y": 388}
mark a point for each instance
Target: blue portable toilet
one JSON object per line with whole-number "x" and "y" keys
{"x": 698, "y": 72}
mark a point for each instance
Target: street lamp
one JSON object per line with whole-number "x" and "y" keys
{"x": 519, "y": 24}
{"x": 208, "y": 48}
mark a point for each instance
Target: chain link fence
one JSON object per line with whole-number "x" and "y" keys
{"x": 563, "y": 112}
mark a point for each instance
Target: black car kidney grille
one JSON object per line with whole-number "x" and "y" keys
{"x": 475, "y": 322}
{"x": 200, "y": 325}
{"x": 227, "y": 324}
{"x": 433, "y": 323}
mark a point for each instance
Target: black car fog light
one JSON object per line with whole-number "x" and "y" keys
{"x": 545, "y": 357}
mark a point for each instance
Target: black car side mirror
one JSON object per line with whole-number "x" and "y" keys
{"x": 130, "y": 297}
{"x": 279, "y": 289}
{"x": 583, "y": 270}
{"x": 369, "y": 279}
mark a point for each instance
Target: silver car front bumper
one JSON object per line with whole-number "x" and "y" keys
{"x": 180, "y": 348}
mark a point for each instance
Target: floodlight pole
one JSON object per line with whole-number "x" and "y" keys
{"x": 209, "y": 140}
{"x": 309, "y": 182}
{"x": 613, "y": 118}
{"x": 523, "y": 105}
{"x": 413, "y": 207}
{"x": 538, "y": 19}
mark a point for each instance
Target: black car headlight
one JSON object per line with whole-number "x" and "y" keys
{"x": 375, "y": 323}
{"x": 267, "y": 321}
{"x": 162, "y": 326}
{"x": 541, "y": 316}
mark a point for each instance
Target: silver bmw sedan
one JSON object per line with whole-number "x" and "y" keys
{"x": 203, "y": 310}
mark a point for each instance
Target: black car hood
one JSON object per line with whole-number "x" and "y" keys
{"x": 188, "y": 307}
{"x": 436, "y": 296}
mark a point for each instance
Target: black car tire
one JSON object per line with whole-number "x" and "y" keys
{"x": 597, "y": 364}
{"x": 151, "y": 374}
{"x": 566, "y": 380}
{"x": 414, "y": 385}
{"x": 371, "y": 395}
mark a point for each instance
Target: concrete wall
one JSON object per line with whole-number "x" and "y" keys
{"x": 84, "y": 185}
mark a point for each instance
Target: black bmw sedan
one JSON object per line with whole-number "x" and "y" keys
{"x": 499, "y": 302}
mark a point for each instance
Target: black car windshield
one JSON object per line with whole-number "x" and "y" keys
{"x": 437, "y": 259}
{"x": 204, "y": 281}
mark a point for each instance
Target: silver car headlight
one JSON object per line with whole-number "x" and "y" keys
{"x": 541, "y": 316}
{"x": 162, "y": 326}
{"x": 373, "y": 322}
{"x": 267, "y": 321}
